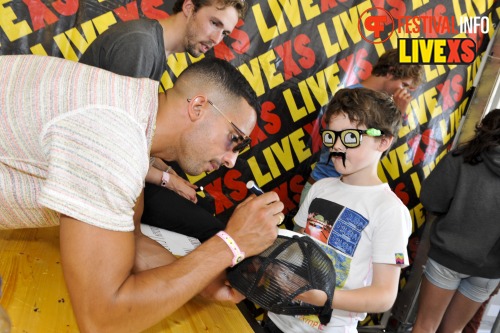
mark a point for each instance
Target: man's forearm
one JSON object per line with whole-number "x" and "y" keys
{"x": 108, "y": 297}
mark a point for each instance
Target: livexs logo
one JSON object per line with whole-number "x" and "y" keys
{"x": 436, "y": 50}
{"x": 377, "y": 25}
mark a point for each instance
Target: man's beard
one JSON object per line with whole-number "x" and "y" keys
{"x": 192, "y": 50}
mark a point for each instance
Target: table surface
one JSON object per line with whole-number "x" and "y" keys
{"x": 36, "y": 298}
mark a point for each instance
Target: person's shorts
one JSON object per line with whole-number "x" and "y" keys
{"x": 475, "y": 288}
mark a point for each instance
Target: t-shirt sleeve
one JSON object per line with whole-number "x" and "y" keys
{"x": 97, "y": 161}
{"x": 300, "y": 218}
{"x": 390, "y": 238}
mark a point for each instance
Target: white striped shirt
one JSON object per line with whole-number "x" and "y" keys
{"x": 74, "y": 140}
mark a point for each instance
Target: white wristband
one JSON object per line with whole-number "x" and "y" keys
{"x": 238, "y": 256}
{"x": 164, "y": 179}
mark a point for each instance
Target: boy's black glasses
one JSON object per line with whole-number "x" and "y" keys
{"x": 351, "y": 138}
{"x": 242, "y": 140}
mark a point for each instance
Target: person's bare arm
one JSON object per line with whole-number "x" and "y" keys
{"x": 175, "y": 183}
{"x": 378, "y": 297}
{"x": 111, "y": 292}
{"x": 148, "y": 253}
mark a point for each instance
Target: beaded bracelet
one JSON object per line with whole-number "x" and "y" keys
{"x": 238, "y": 256}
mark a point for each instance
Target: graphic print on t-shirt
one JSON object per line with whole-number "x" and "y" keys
{"x": 335, "y": 225}
{"x": 340, "y": 228}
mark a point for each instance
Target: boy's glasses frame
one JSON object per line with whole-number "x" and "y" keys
{"x": 243, "y": 140}
{"x": 350, "y": 138}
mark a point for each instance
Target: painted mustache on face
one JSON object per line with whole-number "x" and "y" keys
{"x": 339, "y": 154}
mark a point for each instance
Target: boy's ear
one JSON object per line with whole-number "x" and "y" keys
{"x": 385, "y": 142}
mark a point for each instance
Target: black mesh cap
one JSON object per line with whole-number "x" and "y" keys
{"x": 285, "y": 270}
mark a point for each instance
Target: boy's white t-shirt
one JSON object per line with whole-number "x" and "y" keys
{"x": 361, "y": 225}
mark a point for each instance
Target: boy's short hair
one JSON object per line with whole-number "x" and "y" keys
{"x": 367, "y": 107}
{"x": 389, "y": 63}
{"x": 241, "y": 6}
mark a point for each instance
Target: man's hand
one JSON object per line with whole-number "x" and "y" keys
{"x": 253, "y": 224}
{"x": 402, "y": 98}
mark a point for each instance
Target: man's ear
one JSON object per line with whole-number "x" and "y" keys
{"x": 385, "y": 142}
{"x": 197, "y": 107}
{"x": 188, "y": 8}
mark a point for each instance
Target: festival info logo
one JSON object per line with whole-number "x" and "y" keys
{"x": 377, "y": 25}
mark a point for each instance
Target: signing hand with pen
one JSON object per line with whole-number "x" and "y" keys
{"x": 253, "y": 227}
{"x": 254, "y": 222}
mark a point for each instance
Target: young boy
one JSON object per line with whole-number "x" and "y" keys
{"x": 389, "y": 76}
{"x": 362, "y": 225}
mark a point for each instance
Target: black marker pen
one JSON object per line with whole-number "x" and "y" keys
{"x": 254, "y": 188}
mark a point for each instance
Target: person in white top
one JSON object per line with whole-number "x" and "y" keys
{"x": 360, "y": 223}
{"x": 75, "y": 147}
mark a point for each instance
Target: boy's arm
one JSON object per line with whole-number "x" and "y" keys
{"x": 378, "y": 297}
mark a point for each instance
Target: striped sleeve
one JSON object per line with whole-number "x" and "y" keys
{"x": 97, "y": 161}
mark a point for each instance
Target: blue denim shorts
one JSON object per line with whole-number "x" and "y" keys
{"x": 475, "y": 288}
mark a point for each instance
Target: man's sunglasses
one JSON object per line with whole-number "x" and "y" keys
{"x": 242, "y": 140}
{"x": 351, "y": 138}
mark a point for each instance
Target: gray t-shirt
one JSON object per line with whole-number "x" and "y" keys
{"x": 133, "y": 48}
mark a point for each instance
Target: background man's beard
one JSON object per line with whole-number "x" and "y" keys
{"x": 191, "y": 49}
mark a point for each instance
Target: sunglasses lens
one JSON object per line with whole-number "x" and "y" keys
{"x": 350, "y": 138}
{"x": 328, "y": 138}
{"x": 242, "y": 145}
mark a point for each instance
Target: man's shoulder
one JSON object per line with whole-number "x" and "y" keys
{"x": 141, "y": 23}
{"x": 145, "y": 35}
{"x": 128, "y": 30}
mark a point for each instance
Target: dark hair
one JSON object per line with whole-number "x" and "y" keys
{"x": 367, "y": 107}
{"x": 241, "y": 6}
{"x": 487, "y": 136}
{"x": 223, "y": 77}
{"x": 389, "y": 63}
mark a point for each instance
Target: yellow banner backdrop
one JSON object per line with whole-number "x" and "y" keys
{"x": 296, "y": 55}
